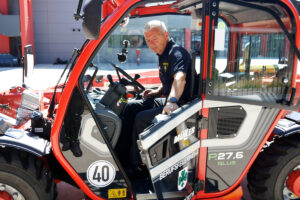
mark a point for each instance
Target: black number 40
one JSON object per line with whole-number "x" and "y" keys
{"x": 102, "y": 175}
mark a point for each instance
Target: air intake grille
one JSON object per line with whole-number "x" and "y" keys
{"x": 225, "y": 121}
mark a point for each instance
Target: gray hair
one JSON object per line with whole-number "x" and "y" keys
{"x": 155, "y": 24}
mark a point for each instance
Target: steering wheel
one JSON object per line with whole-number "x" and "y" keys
{"x": 138, "y": 87}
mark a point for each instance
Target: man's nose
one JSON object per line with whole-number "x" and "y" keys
{"x": 151, "y": 43}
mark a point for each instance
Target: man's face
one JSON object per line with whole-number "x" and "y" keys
{"x": 157, "y": 40}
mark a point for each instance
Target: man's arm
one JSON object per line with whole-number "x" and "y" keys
{"x": 153, "y": 93}
{"x": 176, "y": 91}
{"x": 178, "y": 85}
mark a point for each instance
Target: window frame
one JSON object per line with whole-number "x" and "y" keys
{"x": 288, "y": 102}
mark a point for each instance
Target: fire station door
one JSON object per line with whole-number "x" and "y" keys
{"x": 170, "y": 150}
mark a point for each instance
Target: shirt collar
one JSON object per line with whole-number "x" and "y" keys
{"x": 168, "y": 47}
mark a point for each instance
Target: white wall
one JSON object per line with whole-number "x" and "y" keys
{"x": 53, "y": 30}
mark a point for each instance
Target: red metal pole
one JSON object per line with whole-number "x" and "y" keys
{"x": 26, "y": 20}
{"x": 264, "y": 43}
{"x": 233, "y": 51}
{"x": 4, "y": 40}
{"x": 187, "y": 39}
{"x": 138, "y": 52}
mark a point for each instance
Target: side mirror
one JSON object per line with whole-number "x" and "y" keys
{"x": 137, "y": 76}
{"x": 28, "y": 63}
{"x": 92, "y": 13}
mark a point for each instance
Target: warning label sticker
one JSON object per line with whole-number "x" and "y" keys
{"x": 117, "y": 193}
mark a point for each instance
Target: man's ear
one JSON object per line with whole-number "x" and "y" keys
{"x": 167, "y": 35}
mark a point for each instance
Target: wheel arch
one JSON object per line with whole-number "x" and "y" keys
{"x": 31, "y": 144}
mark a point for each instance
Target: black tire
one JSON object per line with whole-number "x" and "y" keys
{"x": 26, "y": 174}
{"x": 267, "y": 176}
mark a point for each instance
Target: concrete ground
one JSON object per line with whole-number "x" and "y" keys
{"x": 68, "y": 192}
{"x": 44, "y": 76}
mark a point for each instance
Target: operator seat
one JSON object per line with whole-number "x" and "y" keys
{"x": 107, "y": 112}
{"x": 110, "y": 122}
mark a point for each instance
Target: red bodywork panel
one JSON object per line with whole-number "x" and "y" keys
{"x": 13, "y": 98}
{"x": 236, "y": 194}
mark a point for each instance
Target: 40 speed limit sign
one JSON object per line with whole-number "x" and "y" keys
{"x": 101, "y": 173}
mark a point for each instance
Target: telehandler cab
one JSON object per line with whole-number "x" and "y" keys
{"x": 242, "y": 122}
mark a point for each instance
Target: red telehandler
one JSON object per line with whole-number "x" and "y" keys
{"x": 242, "y": 122}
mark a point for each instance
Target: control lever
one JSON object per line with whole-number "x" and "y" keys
{"x": 137, "y": 76}
{"x": 110, "y": 79}
{"x": 126, "y": 43}
{"x": 124, "y": 81}
{"x": 123, "y": 56}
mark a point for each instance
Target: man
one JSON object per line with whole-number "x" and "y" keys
{"x": 174, "y": 73}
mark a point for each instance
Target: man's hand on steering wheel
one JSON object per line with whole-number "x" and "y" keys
{"x": 153, "y": 93}
{"x": 138, "y": 87}
{"x": 150, "y": 93}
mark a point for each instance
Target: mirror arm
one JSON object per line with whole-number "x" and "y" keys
{"x": 77, "y": 15}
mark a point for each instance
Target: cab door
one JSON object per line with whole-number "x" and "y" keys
{"x": 251, "y": 67}
{"x": 170, "y": 150}
{"x": 251, "y": 56}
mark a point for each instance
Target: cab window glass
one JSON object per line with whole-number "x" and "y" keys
{"x": 252, "y": 57}
{"x": 126, "y": 49}
{"x": 184, "y": 31}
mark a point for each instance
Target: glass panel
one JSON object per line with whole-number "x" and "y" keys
{"x": 84, "y": 147}
{"x": 182, "y": 28}
{"x": 254, "y": 63}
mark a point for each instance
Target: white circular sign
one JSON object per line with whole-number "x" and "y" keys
{"x": 101, "y": 173}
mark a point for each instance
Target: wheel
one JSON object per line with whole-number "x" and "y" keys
{"x": 23, "y": 176}
{"x": 275, "y": 173}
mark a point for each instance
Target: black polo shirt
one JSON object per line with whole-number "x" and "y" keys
{"x": 175, "y": 59}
